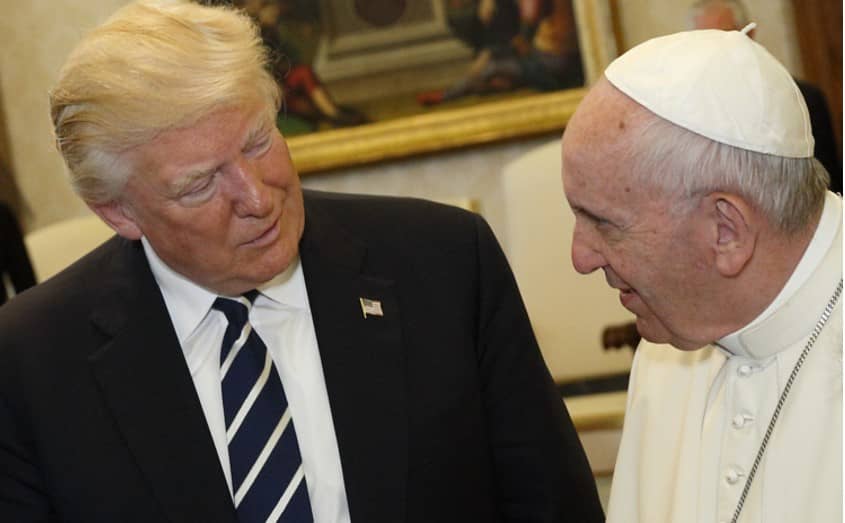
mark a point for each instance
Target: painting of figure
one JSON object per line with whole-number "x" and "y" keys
{"x": 519, "y": 44}
{"x": 343, "y": 63}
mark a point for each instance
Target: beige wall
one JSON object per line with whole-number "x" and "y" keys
{"x": 474, "y": 174}
{"x": 644, "y": 19}
{"x": 35, "y": 37}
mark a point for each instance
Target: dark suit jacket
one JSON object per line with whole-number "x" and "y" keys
{"x": 443, "y": 408}
{"x": 14, "y": 260}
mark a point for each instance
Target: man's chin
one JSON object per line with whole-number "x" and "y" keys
{"x": 275, "y": 262}
{"x": 655, "y": 332}
{"x": 652, "y": 330}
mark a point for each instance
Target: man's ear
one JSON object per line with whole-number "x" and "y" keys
{"x": 119, "y": 218}
{"x": 736, "y": 236}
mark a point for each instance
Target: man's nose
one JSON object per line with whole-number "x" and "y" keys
{"x": 585, "y": 257}
{"x": 252, "y": 197}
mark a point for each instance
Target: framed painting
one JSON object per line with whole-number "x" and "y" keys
{"x": 370, "y": 80}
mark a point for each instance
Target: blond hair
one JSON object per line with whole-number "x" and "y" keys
{"x": 152, "y": 66}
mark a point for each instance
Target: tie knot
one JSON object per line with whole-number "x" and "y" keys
{"x": 236, "y": 310}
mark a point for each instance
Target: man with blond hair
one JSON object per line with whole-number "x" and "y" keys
{"x": 689, "y": 169}
{"x": 244, "y": 350}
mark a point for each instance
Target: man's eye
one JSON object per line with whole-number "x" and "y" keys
{"x": 202, "y": 186}
{"x": 199, "y": 188}
{"x": 598, "y": 221}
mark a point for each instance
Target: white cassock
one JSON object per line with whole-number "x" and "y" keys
{"x": 695, "y": 420}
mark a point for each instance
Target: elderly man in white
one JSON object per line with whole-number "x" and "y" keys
{"x": 689, "y": 169}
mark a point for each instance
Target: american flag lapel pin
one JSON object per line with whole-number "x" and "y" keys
{"x": 370, "y": 307}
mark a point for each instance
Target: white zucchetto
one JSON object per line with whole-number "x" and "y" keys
{"x": 719, "y": 84}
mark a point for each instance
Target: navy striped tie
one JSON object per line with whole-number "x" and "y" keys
{"x": 267, "y": 474}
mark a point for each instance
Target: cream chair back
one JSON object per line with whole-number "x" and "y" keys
{"x": 54, "y": 247}
{"x": 568, "y": 310}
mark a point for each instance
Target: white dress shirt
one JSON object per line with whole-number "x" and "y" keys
{"x": 695, "y": 419}
{"x": 282, "y": 317}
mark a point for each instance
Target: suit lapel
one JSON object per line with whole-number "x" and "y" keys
{"x": 147, "y": 386}
{"x": 364, "y": 367}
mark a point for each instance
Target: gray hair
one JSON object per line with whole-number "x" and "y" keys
{"x": 154, "y": 65}
{"x": 740, "y": 14}
{"x": 790, "y": 192}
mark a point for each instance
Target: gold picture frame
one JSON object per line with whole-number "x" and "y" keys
{"x": 485, "y": 122}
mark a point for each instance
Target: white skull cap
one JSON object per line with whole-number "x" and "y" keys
{"x": 719, "y": 84}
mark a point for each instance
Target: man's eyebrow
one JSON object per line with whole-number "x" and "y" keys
{"x": 262, "y": 127}
{"x": 577, "y": 209}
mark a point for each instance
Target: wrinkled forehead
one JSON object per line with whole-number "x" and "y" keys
{"x": 202, "y": 144}
{"x": 604, "y": 127}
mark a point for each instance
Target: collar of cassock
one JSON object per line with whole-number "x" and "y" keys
{"x": 795, "y": 311}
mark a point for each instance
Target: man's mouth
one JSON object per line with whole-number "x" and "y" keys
{"x": 267, "y": 237}
{"x": 626, "y": 296}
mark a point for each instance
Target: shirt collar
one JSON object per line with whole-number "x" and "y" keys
{"x": 795, "y": 310}
{"x": 288, "y": 287}
{"x": 188, "y": 303}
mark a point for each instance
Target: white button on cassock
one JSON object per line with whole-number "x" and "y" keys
{"x": 740, "y": 420}
{"x": 733, "y": 476}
